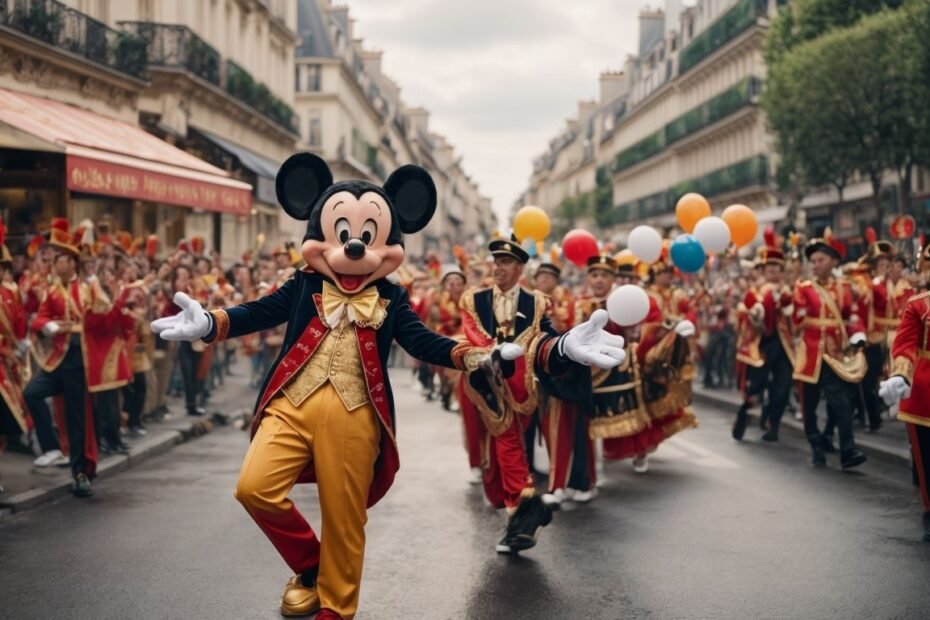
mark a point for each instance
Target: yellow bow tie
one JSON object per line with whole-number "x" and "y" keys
{"x": 362, "y": 308}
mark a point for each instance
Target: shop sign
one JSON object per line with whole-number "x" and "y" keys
{"x": 97, "y": 177}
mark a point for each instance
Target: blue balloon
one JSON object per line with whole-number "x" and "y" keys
{"x": 687, "y": 253}
{"x": 530, "y": 246}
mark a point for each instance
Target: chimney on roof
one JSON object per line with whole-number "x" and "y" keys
{"x": 651, "y": 29}
{"x": 612, "y": 83}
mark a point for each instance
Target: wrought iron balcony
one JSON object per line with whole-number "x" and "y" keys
{"x": 171, "y": 45}
{"x": 241, "y": 85}
{"x": 64, "y": 28}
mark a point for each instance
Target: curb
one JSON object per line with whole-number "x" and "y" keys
{"x": 141, "y": 450}
{"x": 877, "y": 450}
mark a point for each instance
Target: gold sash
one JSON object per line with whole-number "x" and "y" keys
{"x": 852, "y": 367}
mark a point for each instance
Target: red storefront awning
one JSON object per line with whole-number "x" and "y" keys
{"x": 113, "y": 158}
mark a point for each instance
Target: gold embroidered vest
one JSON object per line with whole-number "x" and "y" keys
{"x": 338, "y": 361}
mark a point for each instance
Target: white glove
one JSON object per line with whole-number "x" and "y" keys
{"x": 190, "y": 324}
{"x": 509, "y": 350}
{"x": 894, "y": 389}
{"x": 51, "y": 328}
{"x": 589, "y": 344}
{"x": 857, "y": 339}
{"x": 685, "y": 328}
{"x": 788, "y": 310}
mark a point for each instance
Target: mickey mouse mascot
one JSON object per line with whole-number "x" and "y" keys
{"x": 325, "y": 413}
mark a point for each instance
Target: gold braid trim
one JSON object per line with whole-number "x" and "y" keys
{"x": 222, "y": 325}
{"x": 687, "y": 420}
{"x": 678, "y": 397}
{"x": 459, "y": 353}
{"x": 624, "y": 425}
{"x": 903, "y": 367}
{"x": 494, "y": 423}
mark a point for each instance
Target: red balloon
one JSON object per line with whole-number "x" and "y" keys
{"x": 578, "y": 246}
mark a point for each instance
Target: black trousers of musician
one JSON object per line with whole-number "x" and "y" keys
{"x": 579, "y": 477}
{"x": 919, "y": 436}
{"x": 189, "y": 361}
{"x": 868, "y": 389}
{"x": 839, "y": 395}
{"x": 773, "y": 377}
{"x": 68, "y": 381}
{"x": 134, "y": 399}
{"x": 106, "y": 415}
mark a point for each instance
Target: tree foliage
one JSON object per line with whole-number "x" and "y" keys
{"x": 847, "y": 93}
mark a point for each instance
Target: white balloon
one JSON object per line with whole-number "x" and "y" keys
{"x": 628, "y": 305}
{"x": 646, "y": 243}
{"x": 713, "y": 233}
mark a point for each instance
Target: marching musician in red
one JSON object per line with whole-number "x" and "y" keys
{"x": 564, "y": 421}
{"x": 546, "y": 280}
{"x": 513, "y": 317}
{"x": 765, "y": 347}
{"x": 881, "y": 317}
{"x": 14, "y": 417}
{"x": 664, "y": 354}
{"x": 78, "y": 345}
{"x": 449, "y": 323}
{"x": 910, "y": 384}
{"x": 829, "y": 360}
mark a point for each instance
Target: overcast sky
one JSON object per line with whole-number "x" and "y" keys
{"x": 500, "y": 77}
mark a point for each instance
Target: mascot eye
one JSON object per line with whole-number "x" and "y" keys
{"x": 343, "y": 232}
{"x": 369, "y": 231}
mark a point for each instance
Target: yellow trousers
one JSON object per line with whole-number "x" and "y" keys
{"x": 343, "y": 446}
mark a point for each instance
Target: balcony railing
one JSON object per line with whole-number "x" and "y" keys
{"x": 241, "y": 85}
{"x": 743, "y": 15}
{"x": 171, "y": 45}
{"x": 747, "y": 173}
{"x": 62, "y": 27}
{"x": 731, "y": 100}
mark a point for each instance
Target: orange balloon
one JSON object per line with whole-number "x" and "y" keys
{"x": 742, "y": 223}
{"x": 625, "y": 257}
{"x": 691, "y": 208}
{"x": 531, "y": 223}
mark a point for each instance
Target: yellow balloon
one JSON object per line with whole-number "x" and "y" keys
{"x": 531, "y": 223}
{"x": 625, "y": 257}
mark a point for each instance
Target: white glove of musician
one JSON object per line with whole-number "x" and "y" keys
{"x": 894, "y": 389}
{"x": 510, "y": 351}
{"x": 190, "y": 324}
{"x": 590, "y": 345}
{"x": 857, "y": 339}
{"x": 685, "y": 328}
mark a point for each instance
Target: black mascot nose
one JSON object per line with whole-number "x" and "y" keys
{"x": 355, "y": 248}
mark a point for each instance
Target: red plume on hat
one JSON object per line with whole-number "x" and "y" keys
{"x": 197, "y": 245}
{"x": 769, "y": 237}
{"x": 184, "y": 245}
{"x": 151, "y": 246}
{"x": 34, "y": 244}
{"x": 835, "y": 243}
{"x": 870, "y": 235}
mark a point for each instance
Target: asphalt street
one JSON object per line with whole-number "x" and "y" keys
{"x": 716, "y": 529}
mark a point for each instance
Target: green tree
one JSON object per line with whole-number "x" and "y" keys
{"x": 845, "y": 98}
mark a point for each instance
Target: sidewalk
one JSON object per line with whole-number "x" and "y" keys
{"x": 27, "y": 486}
{"x": 888, "y": 444}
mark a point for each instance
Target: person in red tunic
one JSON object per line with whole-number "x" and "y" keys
{"x": 79, "y": 349}
{"x": 449, "y": 323}
{"x": 511, "y": 316}
{"x": 14, "y": 417}
{"x": 829, "y": 360}
{"x": 909, "y": 385}
{"x": 765, "y": 346}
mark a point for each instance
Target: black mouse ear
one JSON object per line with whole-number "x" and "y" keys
{"x": 301, "y": 181}
{"x": 413, "y": 194}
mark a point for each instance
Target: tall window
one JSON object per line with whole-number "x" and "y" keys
{"x": 315, "y": 129}
{"x": 308, "y": 78}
